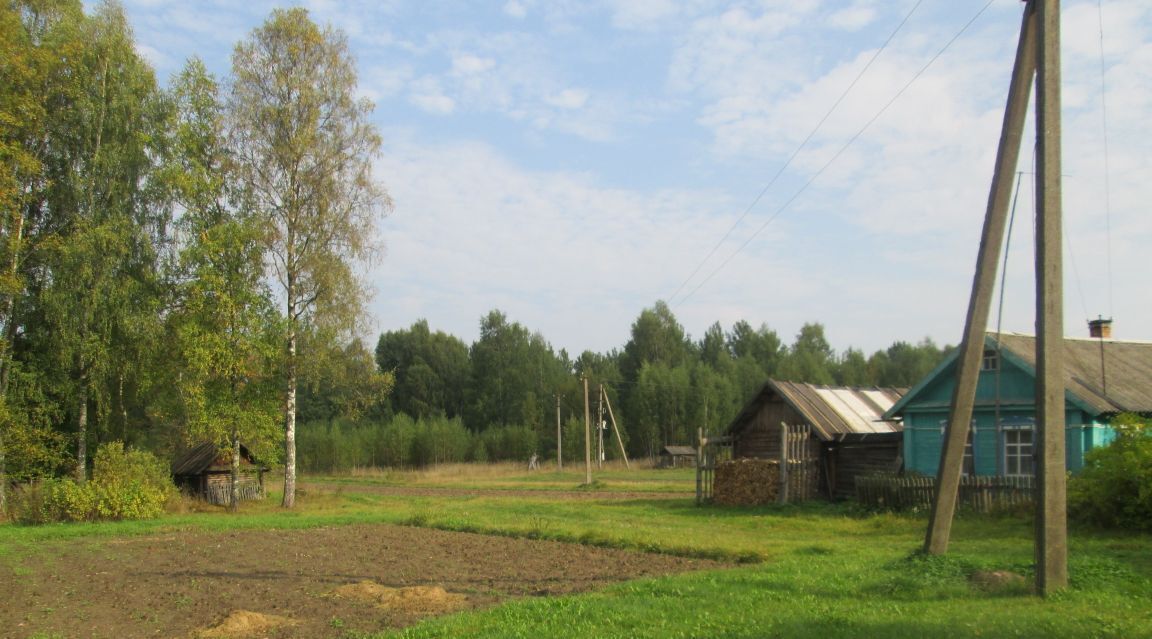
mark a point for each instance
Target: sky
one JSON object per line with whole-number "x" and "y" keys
{"x": 572, "y": 162}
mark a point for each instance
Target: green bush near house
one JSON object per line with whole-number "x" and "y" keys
{"x": 1114, "y": 489}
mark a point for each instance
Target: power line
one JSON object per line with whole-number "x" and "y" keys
{"x": 795, "y": 152}
{"x": 1107, "y": 171}
{"x": 840, "y": 152}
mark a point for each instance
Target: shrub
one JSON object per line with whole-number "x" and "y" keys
{"x": 126, "y": 484}
{"x": 1115, "y": 487}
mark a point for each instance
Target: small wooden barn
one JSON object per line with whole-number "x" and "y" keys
{"x": 206, "y": 471}
{"x": 847, "y": 436}
{"x": 678, "y": 457}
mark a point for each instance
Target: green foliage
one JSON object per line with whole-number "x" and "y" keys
{"x": 126, "y": 485}
{"x": 1114, "y": 489}
{"x": 505, "y": 443}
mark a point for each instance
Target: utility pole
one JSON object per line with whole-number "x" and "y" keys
{"x": 616, "y": 429}
{"x": 1037, "y": 55}
{"x": 1051, "y": 515}
{"x": 559, "y": 435}
{"x": 587, "y": 436}
{"x": 984, "y": 282}
{"x": 600, "y": 429}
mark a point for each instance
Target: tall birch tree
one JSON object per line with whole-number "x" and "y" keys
{"x": 304, "y": 151}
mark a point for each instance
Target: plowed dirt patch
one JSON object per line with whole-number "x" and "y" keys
{"x": 177, "y": 585}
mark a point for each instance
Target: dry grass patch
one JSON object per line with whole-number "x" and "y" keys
{"x": 414, "y": 601}
{"x": 245, "y": 623}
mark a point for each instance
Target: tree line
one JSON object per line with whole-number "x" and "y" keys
{"x": 663, "y": 385}
{"x": 179, "y": 264}
{"x": 175, "y": 261}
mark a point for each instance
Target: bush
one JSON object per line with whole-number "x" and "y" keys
{"x": 126, "y": 484}
{"x": 1115, "y": 487}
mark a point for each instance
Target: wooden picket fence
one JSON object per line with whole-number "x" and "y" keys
{"x": 221, "y": 494}
{"x": 710, "y": 451}
{"x": 981, "y": 494}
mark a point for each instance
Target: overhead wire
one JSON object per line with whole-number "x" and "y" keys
{"x": 1107, "y": 171}
{"x": 795, "y": 153}
{"x": 838, "y": 153}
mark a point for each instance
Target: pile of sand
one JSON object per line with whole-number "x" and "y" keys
{"x": 412, "y": 600}
{"x": 242, "y": 623}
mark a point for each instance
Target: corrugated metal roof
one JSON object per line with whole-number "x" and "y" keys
{"x": 831, "y": 410}
{"x": 1109, "y": 375}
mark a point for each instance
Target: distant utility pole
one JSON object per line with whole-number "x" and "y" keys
{"x": 600, "y": 428}
{"x": 587, "y": 436}
{"x": 559, "y": 435}
{"x": 616, "y": 429}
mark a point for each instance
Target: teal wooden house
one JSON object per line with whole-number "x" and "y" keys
{"x": 1102, "y": 378}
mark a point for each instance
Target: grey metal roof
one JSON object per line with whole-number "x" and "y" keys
{"x": 1109, "y": 375}
{"x": 831, "y": 410}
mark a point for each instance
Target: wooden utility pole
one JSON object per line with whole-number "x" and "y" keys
{"x": 587, "y": 436}
{"x": 559, "y": 436}
{"x": 1037, "y": 54}
{"x": 1051, "y": 519}
{"x": 991, "y": 241}
{"x": 616, "y": 429}
{"x": 600, "y": 428}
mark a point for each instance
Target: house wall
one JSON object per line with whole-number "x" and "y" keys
{"x": 1005, "y": 398}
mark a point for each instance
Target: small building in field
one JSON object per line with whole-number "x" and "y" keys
{"x": 1102, "y": 378}
{"x": 678, "y": 457}
{"x": 205, "y": 471}
{"x": 847, "y": 435}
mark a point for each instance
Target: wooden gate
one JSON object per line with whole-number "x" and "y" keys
{"x": 710, "y": 450}
{"x": 799, "y": 463}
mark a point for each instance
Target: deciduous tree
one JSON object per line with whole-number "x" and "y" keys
{"x": 304, "y": 149}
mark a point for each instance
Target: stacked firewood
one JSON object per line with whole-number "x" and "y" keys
{"x": 746, "y": 482}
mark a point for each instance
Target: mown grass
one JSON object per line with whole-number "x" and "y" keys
{"x": 822, "y": 570}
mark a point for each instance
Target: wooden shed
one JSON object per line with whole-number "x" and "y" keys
{"x": 206, "y": 471}
{"x": 847, "y": 434}
{"x": 678, "y": 457}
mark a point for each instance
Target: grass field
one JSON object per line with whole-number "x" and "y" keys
{"x": 817, "y": 570}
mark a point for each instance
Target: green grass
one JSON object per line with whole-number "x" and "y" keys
{"x": 823, "y": 571}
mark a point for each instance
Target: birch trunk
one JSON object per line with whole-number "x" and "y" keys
{"x": 234, "y": 504}
{"x": 290, "y": 424}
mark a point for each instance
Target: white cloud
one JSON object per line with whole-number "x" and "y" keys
{"x": 429, "y": 96}
{"x": 568, "y": 99}
{"x": 853, "y": 18}
{"x": 516, "y": 9}
{"x": 467, "y": 64}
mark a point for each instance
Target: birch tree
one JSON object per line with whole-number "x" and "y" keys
{"x": 304, "y": 150}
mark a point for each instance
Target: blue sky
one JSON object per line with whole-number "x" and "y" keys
{"x": 570, "y": 163}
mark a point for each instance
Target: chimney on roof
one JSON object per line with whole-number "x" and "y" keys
{"x": 1100, "y": 328}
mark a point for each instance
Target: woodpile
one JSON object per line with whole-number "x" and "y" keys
{"x": 746, "y": 482}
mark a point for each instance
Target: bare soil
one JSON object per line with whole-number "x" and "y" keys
{"x": 322, "y": 582}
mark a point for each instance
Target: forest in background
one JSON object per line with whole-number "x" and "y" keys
{"x": 178, "y": 264}
{"x": 497, "y": 398}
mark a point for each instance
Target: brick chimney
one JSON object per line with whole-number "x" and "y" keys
{"x": 1100, "y": 328}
